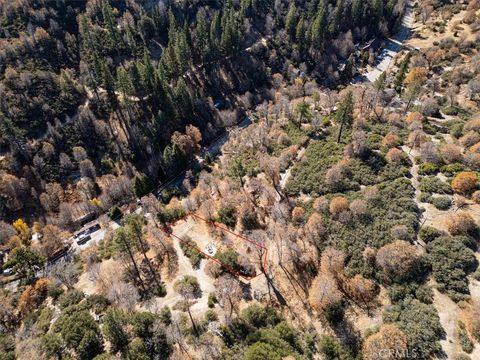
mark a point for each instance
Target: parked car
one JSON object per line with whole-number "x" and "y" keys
{"x": 83, "y": 238}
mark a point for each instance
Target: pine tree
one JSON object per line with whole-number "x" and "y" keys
{"x": 344, "y": 113}
{"x": 291, "y": 21}
{"x": 202, "y": 36}
{"x": 318, "y": 29}
{"x": 336, "y": 24}
{"x": 112, "y": 100}
{"x": 110, "y": 23}
{"x": 357, "y": 11}
{"x": 125, "y": 244}
{"x": 93, "y": 58}
{"x": 172, "y": 23}
{"x": 215, "y": 32}
{"x": 300, "y": 34}
{"x": 142, "y": 185}
{"x": 181, "y": 50}
{"x": 14, "y": 135}
{"x": 125, "y": 85}
{"x": 147, "y": 72}
{"x": 182, "y": 98}
{"x": 131, "y": 41}
{"x": 108, "y": 84}
{"x": 134, "y": 224}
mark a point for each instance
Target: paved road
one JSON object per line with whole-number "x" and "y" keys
{"x": 393, "y": 46}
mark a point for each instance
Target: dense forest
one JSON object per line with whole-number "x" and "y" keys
{"x": 240, "y": 179}
{"x": 129, "y": 88}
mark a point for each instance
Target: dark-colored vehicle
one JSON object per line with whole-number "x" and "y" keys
{"x": 83, "y": 238}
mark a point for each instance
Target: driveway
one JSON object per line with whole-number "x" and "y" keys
{"x": 394, "y": 45}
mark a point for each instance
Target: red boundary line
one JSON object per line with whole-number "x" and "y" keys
{"x": 167, "y": 230}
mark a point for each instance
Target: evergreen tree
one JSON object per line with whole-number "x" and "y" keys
{"x": 124, "y": 244}
{"x": 318, "y": 29}
{"x": 182, "y": 98}
{"x": 14, "y": 135}
{"x": 134, "y": 224}
{"x": 181, "y": 50}
{"x": 92, "y": 57}
{"x": 357, "y": 11}
{"x": 291, "y": 20}
{"x": 336, "y": 24}
{"x": 344, "y": 113}
{"x": 108, "y": 84}
{"x": 111, "y": 24}
{"x": 131, "y": 41}
{"x": 142, "y": 185}
{"x": 125, "y": 85}
{"x": 300, "y": 34}
{"x": 147, "y": 73}
{"x": 202, "y": 36}
{"x": 172, "y": 23}
{"x": 215, "y": 32}
{"x": 113, "y": 329}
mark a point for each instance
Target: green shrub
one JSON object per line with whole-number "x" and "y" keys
{"x": 432, "y": 184}
{"x": 115, "y": 213}
{"x": 165, "y": 316}
{"x": 464, "y": 339}
{"x": 228, "y": 216}
{"x": 427, "y": 169}
{"x": 7, "y": 347}
{"x": 456, "y": 130}
{"x": 441, "y": 202}
{"x": 400, "y": 292}
{"x": 259, "y": 316}
{"x": 142, "y": 185}
{"x": 450, "y": 110}
{"x": 451, "y": 262}
{"x": 429, "y": 233}
{"x": 476, "y": 274}
{"x": 452, "y": 169}
{"x": 43, "y": 321}
{"x": 425, "y": 197}
{"x": 189, "y": 281}
{"x": 334, "y": 313}
{"x": 191, "y": 251}
{"x": 229, "y": 258}
{"x": 420, "y": 323}
{"x": 295, "y": 134}
{"x": 333, "y": 349}
{"x": 210, "y": 315}
{"x": 54, "y": 290}
{"x": 97, "y": 303}
{"x": 168, "y": 215}
{"x": 212, "y": 300}
{"x": 249, "y": 221}
{"x": 170, "y": 192}
{"x": 71, "y": 297}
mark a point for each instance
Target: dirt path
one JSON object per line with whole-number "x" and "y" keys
{"x": 448, "y": 312}
{"x": 286, "y": 175}
{"x": 185, "y": 268}
{"x": 431, "y": 215}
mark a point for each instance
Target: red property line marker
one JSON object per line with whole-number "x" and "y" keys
{"x": 167, "y": 229}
